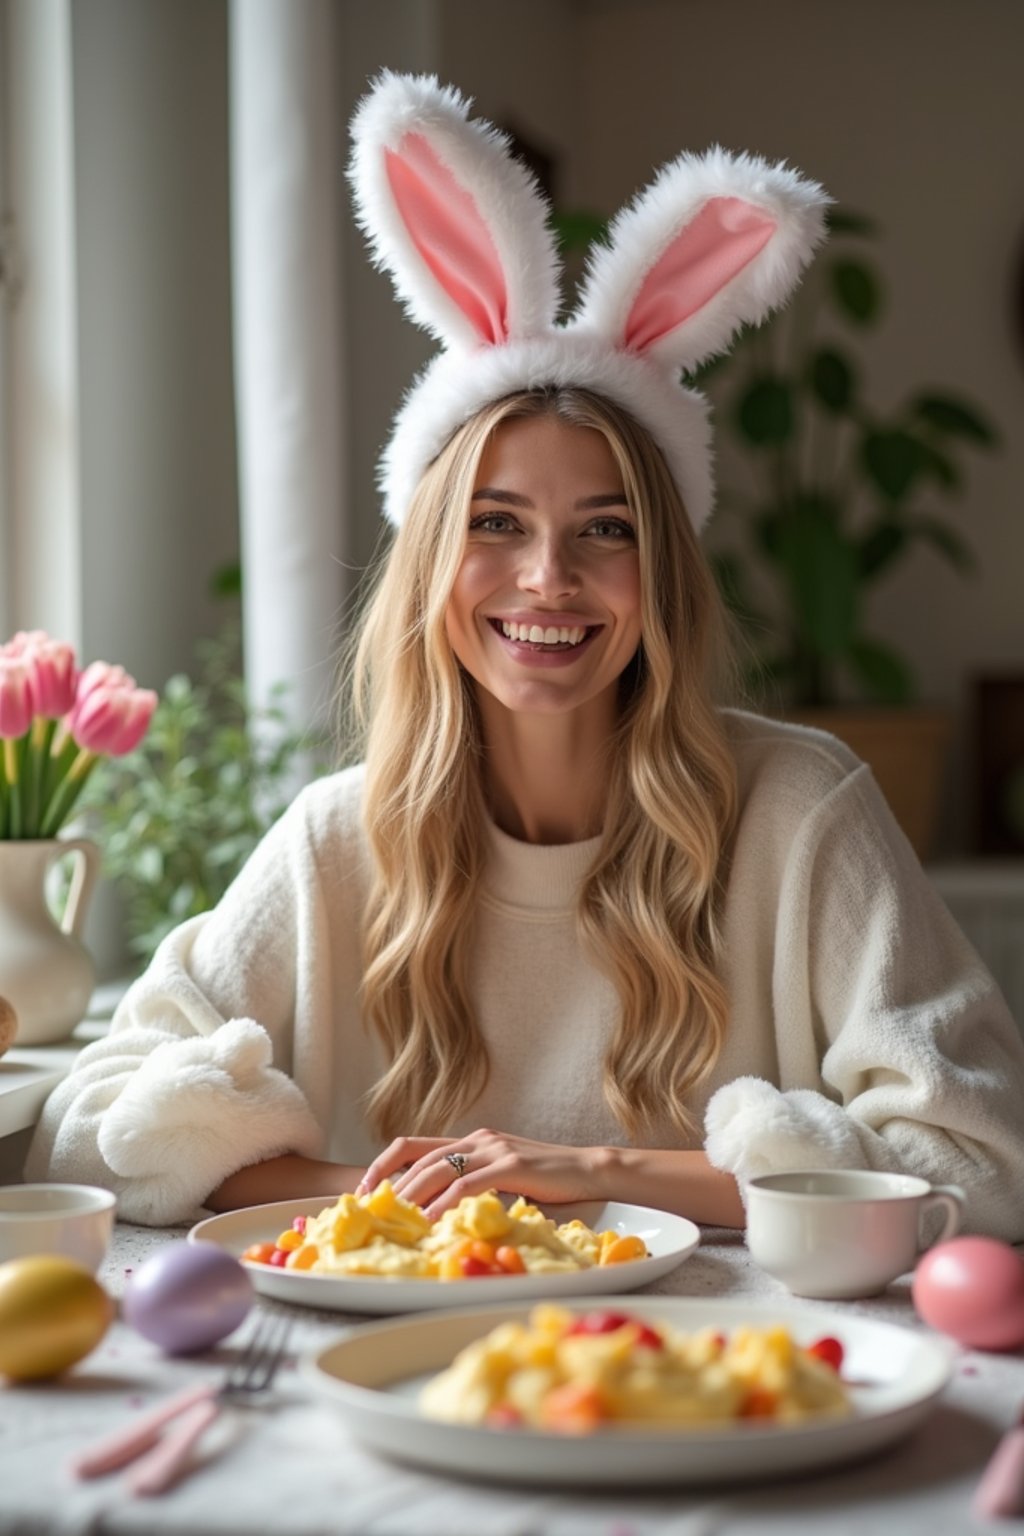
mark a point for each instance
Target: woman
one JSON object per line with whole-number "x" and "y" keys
{"x": 658, "y": 946}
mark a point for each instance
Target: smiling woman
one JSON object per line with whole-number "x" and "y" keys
{"x": 572, "y": 929}
{"x": 544, "y": 613}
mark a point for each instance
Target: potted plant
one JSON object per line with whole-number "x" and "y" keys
{"x": 835, "y": 491}
{"x": 180, "y": 816}
{"x": 57, "y": 724}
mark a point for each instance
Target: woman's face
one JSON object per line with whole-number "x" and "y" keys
{"x": 545, "y": 610}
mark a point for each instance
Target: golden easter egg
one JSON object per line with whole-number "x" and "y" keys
{"x": 8, "y": 1025}
{"x": 53, "y": 1312}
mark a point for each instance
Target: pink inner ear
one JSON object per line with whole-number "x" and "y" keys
{"x": 718, "y": 243}
{"x": 450, "y": 235}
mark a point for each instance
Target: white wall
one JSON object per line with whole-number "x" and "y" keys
{"x": 912, "y": 112}
{"x": 158, "y": 479}
{"x": 384, "y": 349}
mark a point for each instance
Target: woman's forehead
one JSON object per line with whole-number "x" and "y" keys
{"x": 545, "y": 449}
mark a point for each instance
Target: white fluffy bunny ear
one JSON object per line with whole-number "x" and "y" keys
{"x": 716, "y": 241}
{"x": 457, "y": 221}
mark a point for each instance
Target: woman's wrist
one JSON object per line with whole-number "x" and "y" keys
{"x": 288, "y": 1177}
{"x": 685, "y": 1183}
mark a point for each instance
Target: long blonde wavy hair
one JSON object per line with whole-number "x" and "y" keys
{"x": 649, "y": 910}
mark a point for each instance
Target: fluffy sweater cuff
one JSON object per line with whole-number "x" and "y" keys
{"x": 752, "y": 1128}
{"x": 196, "y": 1111}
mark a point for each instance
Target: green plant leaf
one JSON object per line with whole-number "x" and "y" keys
{"x": 946, "y": 540}
{"x": 764, "y": 413}
{"x": 226, "y": 580}
{"x": 768, "y": 533}
{"x": 729, "y": 575}
{"x": 578, "y": 229}
{"x": 856, "y": 290}
{"x": 885, "y": 675}
{"x": 845, "y": 221}
{"x": 940, "y": 466}
{"x": 832, "y": 380}
{"x": 893, "y": 460}
{"x": 952, "y": 415}
{"x": 822, "y": 572}
{"x": 884, "y": 540}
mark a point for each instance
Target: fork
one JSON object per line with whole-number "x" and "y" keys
{"x": 250, "y": 1375}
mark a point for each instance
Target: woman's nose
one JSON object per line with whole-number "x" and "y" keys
{"x": 549, "y": 569}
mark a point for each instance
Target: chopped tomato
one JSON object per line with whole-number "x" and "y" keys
{"x": 600, "y": 1322}
{"x": 258, "y": 1253}
{"x": 829, "y": 1350}
{"x": 573, "y": 1408}
{"x": 611, "y": 1322}
{"x": 471, "y": 1267}
{"x": 759, "y": 1404}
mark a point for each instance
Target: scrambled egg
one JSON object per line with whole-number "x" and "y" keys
{"x": 574, "y": 1374}
{"x": 382, "y": 1234}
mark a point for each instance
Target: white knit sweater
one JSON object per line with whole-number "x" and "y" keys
{"x": 864, "y": 1031}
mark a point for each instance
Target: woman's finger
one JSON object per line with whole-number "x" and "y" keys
{"x": 402, "y": 1153}
{"x": 439, "y": 1170}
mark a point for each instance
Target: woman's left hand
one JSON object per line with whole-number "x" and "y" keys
{"x": 435, "y": 1172}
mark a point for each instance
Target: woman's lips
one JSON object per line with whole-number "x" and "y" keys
{"x": 542, "y": 653}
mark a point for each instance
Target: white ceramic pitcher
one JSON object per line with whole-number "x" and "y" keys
{"x": 46, "y": 973}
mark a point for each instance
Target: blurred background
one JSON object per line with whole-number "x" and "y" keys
{"x": 199, "y": 365}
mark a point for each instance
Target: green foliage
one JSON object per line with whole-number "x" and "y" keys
{"x": 178, "y": 818}
{"x": 836, "y": 490}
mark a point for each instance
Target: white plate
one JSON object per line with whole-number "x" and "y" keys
{"x": 670, "y": 1239}
{"x": 373, "y": 1375}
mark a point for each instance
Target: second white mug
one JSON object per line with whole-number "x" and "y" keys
{"x": 838, "y": 1234}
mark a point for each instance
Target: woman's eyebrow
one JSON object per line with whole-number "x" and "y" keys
{"x": 594, "y": 503}
{"x": 585, "y": 504}
{"x": 509, "y": 498}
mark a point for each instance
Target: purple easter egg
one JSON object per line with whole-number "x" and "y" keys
{"x": 187, "y": 1297}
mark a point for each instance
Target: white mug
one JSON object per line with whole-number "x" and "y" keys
{"x": 843, "y": 1233}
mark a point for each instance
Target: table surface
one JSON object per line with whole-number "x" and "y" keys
{"x": 291, "y": 1467}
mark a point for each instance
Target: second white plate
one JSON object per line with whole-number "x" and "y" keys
{"x": 372, "y": 1378}
{"x": 669, "y": 1239}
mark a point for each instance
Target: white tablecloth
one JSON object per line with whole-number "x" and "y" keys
{"x": 290, "y": 1469}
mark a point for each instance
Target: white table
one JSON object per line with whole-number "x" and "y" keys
{"x": 291, "y": 1468}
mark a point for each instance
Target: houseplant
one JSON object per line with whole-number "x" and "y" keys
{"x": 179, "y": 817}
{"x": 836, "y": 490}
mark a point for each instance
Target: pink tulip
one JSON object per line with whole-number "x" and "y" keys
{"x": 24, "y": 640}
{"x": 111, "y": 719}
{"x": 54, "y": 677}
{"x": 15, "y": 696}
{"x": 100, "y": 674}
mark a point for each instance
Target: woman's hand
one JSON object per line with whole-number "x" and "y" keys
{"x": 420, "y": 1170}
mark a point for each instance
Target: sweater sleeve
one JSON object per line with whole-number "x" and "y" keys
{"x": 192, "y": 1081}
{"x": 896, "y": 1050}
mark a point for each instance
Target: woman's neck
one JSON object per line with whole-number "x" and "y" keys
{"x": 546, "y": 776}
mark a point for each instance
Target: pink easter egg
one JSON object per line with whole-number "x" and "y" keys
{"x": 973, "y": 1289}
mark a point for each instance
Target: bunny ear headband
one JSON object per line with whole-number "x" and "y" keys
{"x": 715, "y": 241}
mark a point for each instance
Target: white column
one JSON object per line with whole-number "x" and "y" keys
{"x": 287, "y": 200}
{"x": 42, "y": 543}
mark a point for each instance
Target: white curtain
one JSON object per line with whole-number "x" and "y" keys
{"x": 287, "y": 204}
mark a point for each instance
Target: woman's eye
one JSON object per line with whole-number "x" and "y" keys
{"x": 491, "y": 522}
{"x": 612, "y": 528}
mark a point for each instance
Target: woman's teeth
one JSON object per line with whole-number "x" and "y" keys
{"x": 535, "y": 635}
